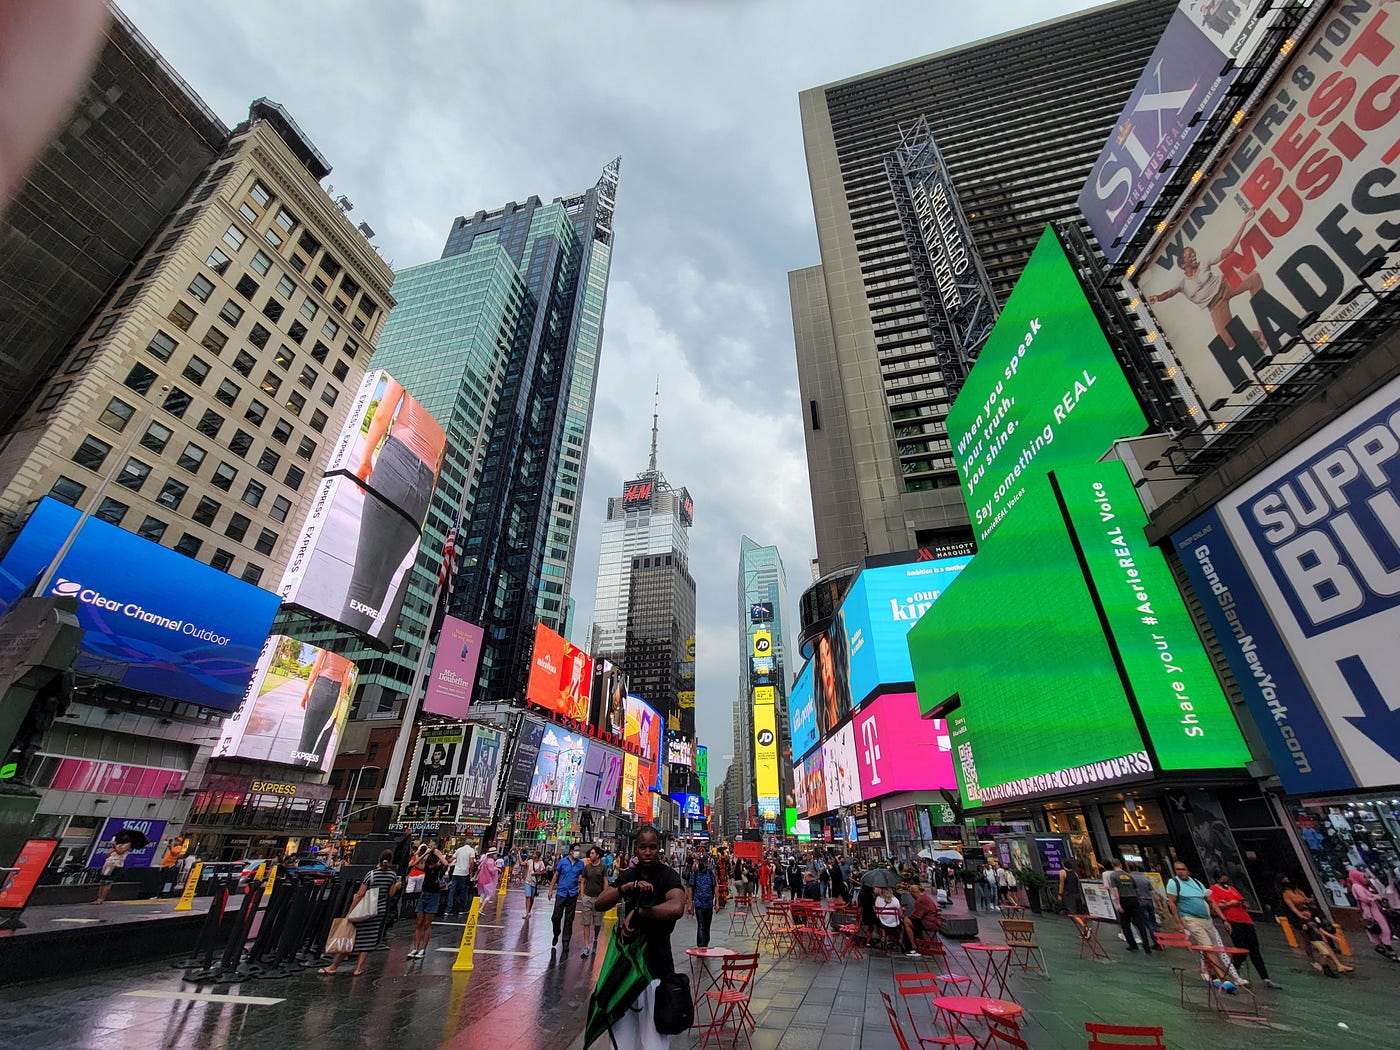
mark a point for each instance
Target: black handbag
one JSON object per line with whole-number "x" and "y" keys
{"x": 675, "y": 1010}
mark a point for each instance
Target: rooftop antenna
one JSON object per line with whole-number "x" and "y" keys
{"x": 655, "y": 410}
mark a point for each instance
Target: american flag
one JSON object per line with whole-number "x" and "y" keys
{"x": 449, "y": 561}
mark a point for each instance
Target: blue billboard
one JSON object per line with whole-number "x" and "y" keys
{"x": 691, "y": 806}
{"x": 878, "y": 612}
{"x": 802, "y": 714}
{"x": 154, "y": 621}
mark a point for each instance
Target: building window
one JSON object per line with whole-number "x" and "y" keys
{"x": 246, "y": 287}
{"x": 256, "y": 413}
{"x": 223, "y": 476}
{"x": 172, "y": 493}
{"x": 186, "y": 217}
{"x": 91, "y": 453}
{"x": 53, "y": 396}
{"x": 232, "y": 313}
{"x": 241, "y": 443}
{"x": 227, "y": 392}
{"x": 286, "y": 220}
{"x": 68, "y": 491}
{"x": 214, "y": 340}
{"x": 210, "y": 423}
{"x": 259, "y": 336}
{"x": 282, "y": 432}
{"x": 133, "y": 475}
{"x": 116, "y": 415}
{"x": 286, "y": 287}
{"x": 261, "y": 261}
{"x": 152, "y": 529}
{"x": 272, "y": 310}
{"x": 206, "y": 511}
{"x": 320, "y": 351}
{"x": 281, "y": 507}
{"x": 319, "y": 420}
{"x": 201, "y": 288}
{"x": 296, "y": 402}
{"x": 140, "y": 378}
{"x": 218, "y": 261}
{"x": 272, "y": 237}
{"x": 177, "y": 403}
{"x": 80, "y": 359}
{"x": 221, "y": 559}
{"x": 351, "y": 347}
{"x": 103, "y": 326}
{"x": 234, "y": 238}
{"x": 271, "y": 383}
{"x": 329, "y": 395}
{"x": 149, "y": 267}
{"x": 162, "y": 345}
{"x": 298, "y": 263}
{"x": 189, "y": 545}
{"x": 308, "y": 309}
{"x": 243, "y": 363}
{"x": 253, "y": 493}
{"x": 111, "y": 510}
{"x": 192, "y": 458}
{"x": 237, "y": 527}
{"x": 267, "y": 542}
{"x": 306, "y": 448}
{"x": 284, "y": 358}
{"x": 268, "y": 461}
{"x": 307, "y": 377}
{"x": 156, "y": 437}
{"x": 182, "y": 315}
{"x": 341, "y": 370}
{"x": 330, "y": 329}
{"x": 168, "y": 241}
{"x": 295, "y": 476}
{"x": 249, "y": 214}
{"x": 297, "y": 332}
{"x": 197, "y": 371}
{"x": 252, "y": 574}
{"x": 125, "y": 299}
{"x": 260, "y": 195}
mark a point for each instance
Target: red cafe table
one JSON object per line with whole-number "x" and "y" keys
{"x": 991, "y": 965}
{"x": 705, "y": 976}
{"x": 965, "y": 1010}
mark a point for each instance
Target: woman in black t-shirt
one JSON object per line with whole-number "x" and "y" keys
{"x": 434, "y": 877}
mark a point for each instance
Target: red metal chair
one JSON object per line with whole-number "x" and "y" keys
{"x": 739, "y": 916}
{"x": 1142, "y": 1037}
{"x": 733, "y": 996}
{"x": 850, "y": 942}
{"x": 933, "y": 1040}
{"x": 926, "y": 984}
{"x": 937, "y": 962}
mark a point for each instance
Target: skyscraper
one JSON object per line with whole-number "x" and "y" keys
{"x": 763, "y": 664}
{"x": 1019, "y": 120}
{"x": 644, "y": 608}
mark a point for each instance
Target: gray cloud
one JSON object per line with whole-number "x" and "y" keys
{"x": 437, "y": 108}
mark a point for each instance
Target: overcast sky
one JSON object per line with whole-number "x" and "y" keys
{"x": 436, "y": 108}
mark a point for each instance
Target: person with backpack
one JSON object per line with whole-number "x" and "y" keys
{"x": 1193, "y": 905}
{"x": 1130, "y": 915}
{"x": 700, "y": 899}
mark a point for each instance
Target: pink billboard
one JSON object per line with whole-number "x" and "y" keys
{"x": 897, "y": 750}
{"x": 449, "y": 691}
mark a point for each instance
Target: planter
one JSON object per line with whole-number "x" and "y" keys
{"x": 959, "y": 928}
{"x": 970, "y": 895}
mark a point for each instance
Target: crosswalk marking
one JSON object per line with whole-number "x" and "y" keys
{"x": 206, "y": 997}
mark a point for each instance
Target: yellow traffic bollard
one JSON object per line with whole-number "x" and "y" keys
{"x": 1342, "y": 937}
{"x": 1288, "y": 932}
{"x": 464, "y": 963}
{"x": 187, "y": 897}
{"x": 271, "y": 878}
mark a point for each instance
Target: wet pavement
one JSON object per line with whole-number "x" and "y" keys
{"x": 522, "y": 996}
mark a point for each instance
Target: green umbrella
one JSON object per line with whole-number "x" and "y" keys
{"x": 622, "y": 977}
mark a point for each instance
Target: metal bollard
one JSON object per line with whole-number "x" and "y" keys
{"x": 269, "y": 930}
{"x": 206, "y": 939}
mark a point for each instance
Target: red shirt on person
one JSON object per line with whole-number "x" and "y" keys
{"x": 1231, "y": 903}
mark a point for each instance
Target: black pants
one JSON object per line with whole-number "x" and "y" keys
{"x": 1243, "y": 935}
{"x": 320, "y": 705}
{"x": 1131, "y": 915}
{"x": 564, "y": 913}
{"x": 702, "y": 926}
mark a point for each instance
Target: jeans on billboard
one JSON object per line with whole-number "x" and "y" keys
{"x": 320, "y": 705}
{"x": 403, "y": 485}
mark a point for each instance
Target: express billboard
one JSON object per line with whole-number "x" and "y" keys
{"x": 352, "y": 559}
{"x": 392, "y": 445}
{"x": 898, "y": 750}
{"x": 483, "y": 766}
{"x": 1183, "y": 85}
{"x": 602, "y": 776}
{"x": 1268, "y": 264}
{"x": 1295, "y": 569}
{"x": 295, "y": 707}
{"x": 561, "y": 675}
{"x": 558, "y": 775}
{"x": 154, "y": 621}
{"x": 802, "y": 713}
{"x": 450, "y": 683}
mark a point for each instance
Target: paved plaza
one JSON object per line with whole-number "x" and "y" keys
{"x": 522, "y": 996}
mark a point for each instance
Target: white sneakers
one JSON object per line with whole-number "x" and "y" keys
{"x": 417, "y": 954}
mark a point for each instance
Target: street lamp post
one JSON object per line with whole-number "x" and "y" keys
{"x": 354, "y": 791}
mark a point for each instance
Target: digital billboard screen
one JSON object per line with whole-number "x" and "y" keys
{"x": 802, "y": 713}
{"x": 392, "y": 444}
{"x": 559, "y": 768}
{"x": 692, "y": 807}
{"x": 484, "y": 755}
{"x": 527, "y": 751}
{"x": 643, "y": 728}
{"x": 295, "y": 708}
{"x": 761, "y": 612}
{"x": 450, "y": 683}
{"x": 602, "y": 776}
{"x": 608, "y": 708}
{"x": 352, "y": 559}
{"x": 898, "y": 750}
{"x": 839, "y": 766}
{"x": 154, "y": 830}
{"x": 630, "y": 772}
{"x": 765, "y": 727}
{"x": 680, "y": 751}
{"x": 561, "y": 675}
{"x": 435, "y": 787}
{"x": 815, "y": 774}
{"x": 154, "y": 621}
{"x": 799, "y": 786}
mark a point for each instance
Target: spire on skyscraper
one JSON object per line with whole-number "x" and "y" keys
{"x": 655, "y": 411}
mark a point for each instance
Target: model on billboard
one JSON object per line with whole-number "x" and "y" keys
{"x": 323, "y": 701}
{"x": 833, "y": 676}
{"x": 1204, "y": 285}
{"x": 573, "y": 697}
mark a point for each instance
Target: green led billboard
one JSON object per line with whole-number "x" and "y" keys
{"x": 1018, "y": 638}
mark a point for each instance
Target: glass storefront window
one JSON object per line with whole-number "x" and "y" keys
{"x": 1356, "y": 833}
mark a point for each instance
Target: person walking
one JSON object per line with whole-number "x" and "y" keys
{"x": 487, "y": 876}
{"x": 1230, "y": 903}
{"x": 1071, "y": 896}
{"x": 700, "y": 900}
{"x": 1189, "y": 902}
{"x": 765, "y": 880}
{"x": 115, "y": 859}
{"x": 435, "y": 874}
{"x": 459, "y": 897}
{"x": 839, "y": 890}
{"x": 565, "y": 883}
{"x": 1125, "y": 899}
{"x": 533, "y": 868}
{"x": 594, "y": 879}
{"x": 656, "y": 900}
{"x": 1146, "y": 902}
{"x": 385, "y": 881}
{"x": 1367, "y": 893}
